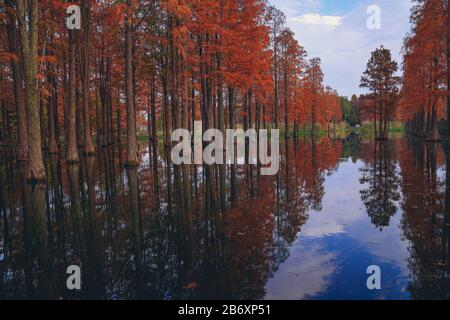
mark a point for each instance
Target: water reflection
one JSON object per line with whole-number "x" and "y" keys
{"x": 185, "y": 232}
{"x": 426, "y": 183}
{"x": 381, "y": 183}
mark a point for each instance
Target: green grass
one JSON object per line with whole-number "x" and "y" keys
{"x": 342, "y": 129}
{"x": 396, "y": 128}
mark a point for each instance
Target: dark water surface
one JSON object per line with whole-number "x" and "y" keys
{"x": 336, "y": 207}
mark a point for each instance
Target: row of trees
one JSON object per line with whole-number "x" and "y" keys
{"x": 154, "y": 64}
{"x": 420, "y": 97}
{"x": 426, "y": 81}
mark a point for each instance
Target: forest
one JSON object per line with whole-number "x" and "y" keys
{"x": 145, "y": 68}
{"x": 86, "y": 122}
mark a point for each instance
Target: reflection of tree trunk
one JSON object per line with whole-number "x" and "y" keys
{"x": 154, "y": 138}
{"x": 55, "y": 175}
{"x": 136, "y": 227}
{"x": 27, "y": 228}
{"x": 176, "y": 122}
{"x": 7, "y": 247}
{"x": 446, "y": 253}
{"x": 41, "y": 245}
{"x": 221, "y": 127}
{"x": 232, "y": 126}
{"x": 94, "y": 252}
{"x": 186, "y": 167}
{"x": 75, "y": 209}
{"x": 248, "y": 160}
{"x": 287, "y": 170}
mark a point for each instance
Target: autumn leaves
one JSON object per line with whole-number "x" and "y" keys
{"x": 151, "y": 67}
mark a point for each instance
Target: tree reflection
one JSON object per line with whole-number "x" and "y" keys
{"x": 380, "y": 177}
{"x": 426, "y": 215}
{"x": 208, "y": 232}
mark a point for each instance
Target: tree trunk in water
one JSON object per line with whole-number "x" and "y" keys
{"x": 433, "y": 134}
{"x": 221, "y": 122}
{"x": 88, "y": 144}
{"x": 132, "y": 145}
{"x": 28, "y": 33}
{"x": 52, "y": 101}
{"x": 313, "y": 116}
{"x": 72, "y": 148}
{"x": 276, "y": 82}
{"x": 232, "y": 126}
{"x": 79, "y": 118}
{"x": 154, "y": 139}
{"x": 186, "y": 167}
{"x": 286, "y": 105}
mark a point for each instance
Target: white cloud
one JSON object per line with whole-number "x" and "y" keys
{"x": 345, "y": 44}
{"x": 317, "y": 19}
{"x": 293, "y": 8}
{"x": 306, "y": 275}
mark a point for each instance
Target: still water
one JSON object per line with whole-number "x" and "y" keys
{"x": 336, "y": 207}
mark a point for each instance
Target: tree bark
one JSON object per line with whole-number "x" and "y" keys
{"x": 448, "y": 68}
{"x": 72, "y": 148}
{"x": 22, "y": 153}
{"x": 28, "y": 34}
{"x": 88, "y": 144}
{"x": 52, "y": 145}
{"x": 132, "y": 145}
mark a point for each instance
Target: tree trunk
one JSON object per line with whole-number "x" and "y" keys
{"x": 276, "y": 83}
{"x": 132, "y": 145}
{"x": 72, "y": 148}
{"x": 448, "y": 68}
{"x": 52, "y": 145}
{"x": 221, "y": 127}
{"x": 22, "y": 154}
{"x": 232, "y": 126}
{"x": 28, "y": 33}
{"x": 286, "y": 105}
{"x": 88, "y": 144}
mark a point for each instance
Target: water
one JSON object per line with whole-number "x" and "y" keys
{"x": 336, "y": 207}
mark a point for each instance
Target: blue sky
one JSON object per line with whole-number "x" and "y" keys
{"x": 336, "y": 31}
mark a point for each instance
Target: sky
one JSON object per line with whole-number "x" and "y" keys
{"x": 337, "y": 32}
